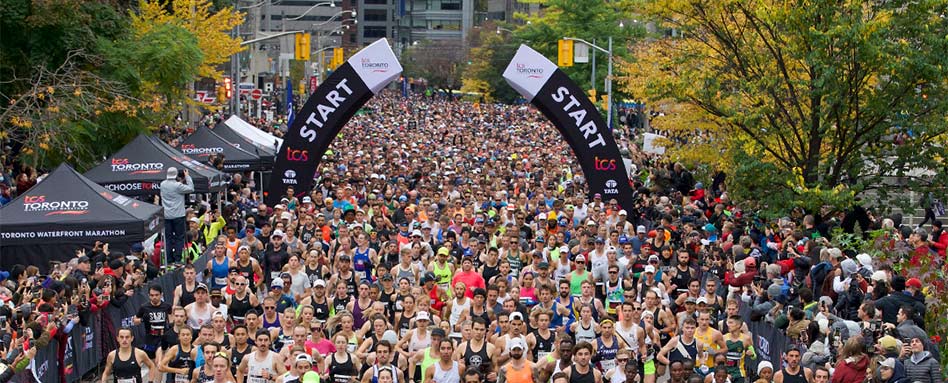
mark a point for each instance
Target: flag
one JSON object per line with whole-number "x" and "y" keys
{"x": 289, "y": 102}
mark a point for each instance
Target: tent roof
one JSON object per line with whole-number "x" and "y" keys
{"x": 66, "y": 197}
{"x": 204, "y": 142}
{"x": 252, "y": 133}
{"x": 145, "y": 161}
{"x": 230, "y": 135}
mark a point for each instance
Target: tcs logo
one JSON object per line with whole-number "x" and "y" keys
{"x": 297, "y": 155}
{"x": 34, "y": 198}
{"x": 604, "y": 164}
{"x": 120, "y": 161}
{"x": 188, "y": 146}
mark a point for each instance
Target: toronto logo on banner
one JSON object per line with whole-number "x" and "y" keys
{"x": 38, "y": 203}
{"x": 530, "y": 72}
{"x": 122, "y": 165}
{"x": 200, "y": 152}
{"x": 380, "y": 67}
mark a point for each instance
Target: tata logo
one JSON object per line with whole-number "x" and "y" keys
{"x": 289, "y": 177}
{"x": 34, "y": 198}
{"x": 297, "y": 155}
{"x": 380, "y": 67}
{"x": 529, "y": 72}
{"x": 611, "y": 187}
{"x": 604, "y": 164}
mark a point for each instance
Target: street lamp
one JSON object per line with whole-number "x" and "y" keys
{"x": 329, "y": 3}
{"x": 608, "y": 75}
{"x": 334, "y": 17}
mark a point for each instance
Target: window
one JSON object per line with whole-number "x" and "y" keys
{"x": 450, "y": 5}
{"x": 375, "y": 15}
{"x": 373, "y": 32}
{"x": 376, "y": 2}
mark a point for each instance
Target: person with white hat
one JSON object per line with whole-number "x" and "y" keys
{"x": 518, "y": 369}
{"x": 173, "y": 190}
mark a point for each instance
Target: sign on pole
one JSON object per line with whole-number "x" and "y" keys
{"x": 581, "y": 53}
{"x": 256, "y": 94}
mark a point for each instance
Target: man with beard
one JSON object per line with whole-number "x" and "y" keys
{"x": 518, "y": 369}
{"x": 581, "y": 371}
{"x": 793, "y": 373}
{"x": 383, "y": 354}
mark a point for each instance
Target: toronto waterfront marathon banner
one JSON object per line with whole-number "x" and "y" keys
{"x": 324, "y": 114}
{"x": 559, "y": 99}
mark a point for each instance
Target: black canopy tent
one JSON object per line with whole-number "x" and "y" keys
{"x": 67, "y": 211}
{"x": 266, "y": 155}
{"x": 203, "y": 143}
{"x": 139, "y": 167}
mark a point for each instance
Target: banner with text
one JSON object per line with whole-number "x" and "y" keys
{"x": 563, "y": 103}
{"x": 319, "y": 121}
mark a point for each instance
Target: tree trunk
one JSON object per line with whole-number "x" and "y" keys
{"x": 811, "y": 163}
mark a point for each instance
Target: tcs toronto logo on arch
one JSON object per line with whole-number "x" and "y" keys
{"x": 604, "y": 164}
{"x": 297, "y": 155}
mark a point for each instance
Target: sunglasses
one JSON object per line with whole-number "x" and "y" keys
{"x": 269, "y": 307}
{"x": 241, "y": 284}
{"x": 622, "y": 360}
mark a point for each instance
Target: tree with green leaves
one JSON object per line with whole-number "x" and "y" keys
{"x": 810, "y": 102}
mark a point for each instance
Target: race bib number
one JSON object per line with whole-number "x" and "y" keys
{"x": 181, "y": 378}
{"x": 126, "y": 380}
{"x": 220, "y": 281}
{"x": 607, "y": 364}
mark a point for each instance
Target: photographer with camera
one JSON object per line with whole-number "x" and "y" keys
{"x": 174, "y": 188}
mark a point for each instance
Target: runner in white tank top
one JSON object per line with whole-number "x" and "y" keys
{"x": 255, "y": 368}
{"x": 449, "y": 376}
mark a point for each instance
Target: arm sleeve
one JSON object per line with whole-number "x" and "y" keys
{"x": 187, "y": 186}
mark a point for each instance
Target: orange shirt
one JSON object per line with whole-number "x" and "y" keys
{"x": 524, "y": 375}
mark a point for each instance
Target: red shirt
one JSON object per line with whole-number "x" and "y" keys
{"x": 471, "y": 280}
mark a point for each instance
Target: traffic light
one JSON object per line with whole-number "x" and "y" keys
{"x": 337, "y": 58}
{"x": 565, "y": 53}
{"x": 228, "y": 88}
{"x": 302, "y": 46}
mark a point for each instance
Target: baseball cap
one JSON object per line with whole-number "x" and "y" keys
{"x": 137, "y": 248}
{"x": 422, "y": 315}
{"x": 623, "y": 212}
{"x": 344, "y": 258}
{"x": 242, "y": 248}
{"x": 750, "y": 262}
{"x": 416, "y": 233}
{"x": 277, "y": 233}
{"x": 913, "y": 282}
{"x": 640, "y": 229}
{"x": 195, "y": 220}
{"x": 444, "y": 251}
{"x": 286, "y": 215}
{"x": 304, "y": 358}
{"x": 888, "y": 363}
{"x": 516, "y": 343}
{"x": 702, "y": 300}
{"x": 543, "y": 265}
{"x": 650, "y": 269}
{"x": 516, "y": 315}
{"x": 580, "y": 258}
{"x": 277, "y": 283}
{"x": 285, "y": 275}
{"x": 691, "y": 300}
{"x": 200, "y": 286}
{"x": 307, "y": 199}
{"x": 438, "y": 332}
{"x": 319, "y": 283}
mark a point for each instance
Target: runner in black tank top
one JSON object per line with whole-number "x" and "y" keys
{"x": 478, "y": 360}
{"x": 238, "y": 307}
{"x": 320, "y": 310}
{"x": 126, "y": 371}
{"x": 403, "y": 325}
{"x": 544, "y": 346}
{"x": 489, "y": 272}
{"x": 236, "y": 356}
{"x": 341, "y": 372}
{"x": 484, "y": 315}
{"x": 576, "y": 377}
{"x": 800, "y": 376}
{"x": 181, "y": 360}
{"x": 339, "y": 304}
{"x": 187, "y": 297}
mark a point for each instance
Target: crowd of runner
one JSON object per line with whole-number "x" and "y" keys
{"x": 452, "y": 242}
